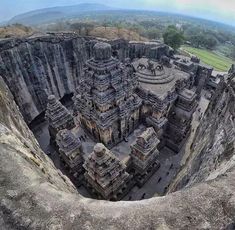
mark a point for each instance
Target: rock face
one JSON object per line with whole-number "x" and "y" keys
{"x": 214, "y": 143}
{"x": 34, "y": 195}
{"x": 34, "y": 68}
{"x": 37, "y": 67}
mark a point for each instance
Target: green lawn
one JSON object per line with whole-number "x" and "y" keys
{"x": 219, "y": 62}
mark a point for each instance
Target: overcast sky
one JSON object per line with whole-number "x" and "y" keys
{"x": 219, "y": 10}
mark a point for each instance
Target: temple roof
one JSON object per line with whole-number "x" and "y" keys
{"x": 146, "y": 141}
{"x": 163, "y": 82}
{"x": 104, "y": 167}
{"x": 67, "y": 142}
{"x": 102, "y": 51}
{"x": 187, "y": 94}
{"x": 145, "y": 137}
{"x": 56, "y": 113}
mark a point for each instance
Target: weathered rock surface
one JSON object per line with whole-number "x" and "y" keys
{"x": 214, "y": 144}
{"x": 36, "y": 67}
{"x": 35, "y": 195}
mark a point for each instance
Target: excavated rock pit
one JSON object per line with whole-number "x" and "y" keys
{"x": 34, "y": 194}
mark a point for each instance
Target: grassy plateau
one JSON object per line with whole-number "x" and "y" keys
{"x": 217, "y": 61}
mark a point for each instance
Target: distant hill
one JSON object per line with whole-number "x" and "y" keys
{"x": 56, "y": 13}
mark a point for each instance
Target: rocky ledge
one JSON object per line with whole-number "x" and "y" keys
{"x": 35, "y": 195}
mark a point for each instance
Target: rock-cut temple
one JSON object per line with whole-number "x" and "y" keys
{"x": 109, "y": 109}
{"x": 114, "y": 99}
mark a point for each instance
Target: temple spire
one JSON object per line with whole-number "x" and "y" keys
{"x": 58, "y": 117}
{"x": 70, "y": 150}
{"x": 144, "y": 155}
{"x": 108, "y": 94}
{"x": 105, "y": 174}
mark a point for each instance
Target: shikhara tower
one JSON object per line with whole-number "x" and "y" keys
{"x": 58, "y": 117}
{"x": 105, "y": 174}
{"x": 107, "y": 106}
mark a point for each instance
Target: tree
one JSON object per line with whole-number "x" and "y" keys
{"x": 118, "y": 25}
{"x": 153, "y": 33}
{"x": 210, "y": 42}
{"x": 77, "y": 26}
{"x": 136, "y": 28}
{"x": 197, "y": 40}
{"x": 173, "y": 37}
{"x": 88, "y": 28}
{"x": 105, "y": 24}
{"x": 233, "y": 52}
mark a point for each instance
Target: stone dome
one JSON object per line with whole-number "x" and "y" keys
{"x": 102, "y": 51}
{"x": 51, "y": 98}
{"x": 99, "y": 149}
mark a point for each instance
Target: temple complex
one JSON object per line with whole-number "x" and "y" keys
{"x": 159, "y": 86}
{"x": 144, "y": 154}
{"x": 58, "y": 117}
{"x": 134, "y": 110}
{"x": 108, "y": 109}
{"x": 71, "y": 153}
{"x": 105, "y": 175}
{"x": 200, "y": 73}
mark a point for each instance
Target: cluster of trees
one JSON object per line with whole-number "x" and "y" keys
{"x": 83, "y": 28}
{"x": 15, "y": 30}
{"x": 207, "y": 37}
{"x": 159, "y": 27}
{"x": 147, "y": 29}
{"x": 173, "y": 37}
{"x": 206, "y": 41}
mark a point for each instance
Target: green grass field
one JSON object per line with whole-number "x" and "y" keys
{"x": 219, "y": 62}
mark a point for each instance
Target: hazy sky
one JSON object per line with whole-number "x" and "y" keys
{"x": 220, "y": 10}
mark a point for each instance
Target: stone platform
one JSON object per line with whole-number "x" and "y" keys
{"x": 161, "y": 76}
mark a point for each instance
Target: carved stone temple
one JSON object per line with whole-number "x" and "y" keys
{"x": 180, "y": 118}
{"x": 71, "y": 153}
{"x": 144, "y": 155}
{"x": 58, "y": 117}
{"x": 136, "y": 111}
{"x": 105, "y": 174}
{"x": 109, "y": 110}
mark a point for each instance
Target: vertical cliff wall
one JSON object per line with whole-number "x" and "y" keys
{"x": 33, "y": 68}
{"x": 213, "y": 149}
{"x": 36, "y": 67}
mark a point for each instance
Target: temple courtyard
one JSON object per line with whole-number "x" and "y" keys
{"x": 129, "y": 127}
{"x": 157, "y": 185}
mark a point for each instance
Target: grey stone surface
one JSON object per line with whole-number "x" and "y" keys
{"x": 214, "y": 142}
{"x": 37, "y": 67}
{"x": 35, "y": 195}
